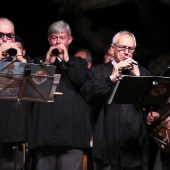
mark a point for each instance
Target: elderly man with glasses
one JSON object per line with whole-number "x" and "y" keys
{"x": 120, "y": 135}
{"x": 13, "y": 113}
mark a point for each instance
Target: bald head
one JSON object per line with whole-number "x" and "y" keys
{"x": 6, "y": 27}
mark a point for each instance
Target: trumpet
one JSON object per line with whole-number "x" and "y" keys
{"x": 55, "y": 52}
{"x": 11, "y": 52}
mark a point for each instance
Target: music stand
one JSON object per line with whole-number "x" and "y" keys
{"x": 141, "y": 89}
{"x": 40, "y": 85}
{"x": 28, "y": 81}
{"x": 11, "y": 76}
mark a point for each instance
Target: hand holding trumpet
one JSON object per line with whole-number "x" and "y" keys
{"x": 10, "y": 52}
{"x": 129, "y": 64}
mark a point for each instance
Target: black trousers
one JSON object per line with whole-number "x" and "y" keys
{"x": 99, "y": 165}
{"x": 57, "y": 158}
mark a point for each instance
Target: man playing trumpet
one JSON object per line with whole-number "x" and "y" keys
{"x": 7, "y": 41}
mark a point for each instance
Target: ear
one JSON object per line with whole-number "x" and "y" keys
{"x": 70, "y": 39}
{"x": 112, "y": 46}
{"x": 23, "y": 52}
{"x": 48, "y": 38}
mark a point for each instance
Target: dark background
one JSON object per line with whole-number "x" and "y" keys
{"x": 93, "y": 28}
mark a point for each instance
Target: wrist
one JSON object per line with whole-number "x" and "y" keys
{"x": 114, "y": 78}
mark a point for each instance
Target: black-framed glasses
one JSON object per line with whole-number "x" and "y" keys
{"x": 9, "y": 36}
{"x": 123, "y": 48}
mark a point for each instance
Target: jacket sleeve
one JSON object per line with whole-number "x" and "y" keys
{"x": 99, "y": 87}
{"x": 77, "y": 70}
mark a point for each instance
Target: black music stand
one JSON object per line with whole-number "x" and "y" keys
{"x": 11, "y": 76}
{"x": 40, "y": 84}
{"x": 141, "y": 89}
{"x": 28, "y": 81}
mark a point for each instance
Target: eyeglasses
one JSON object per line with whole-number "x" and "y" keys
{"x": 123, "y": 48}
{"x": 9, "y": 36}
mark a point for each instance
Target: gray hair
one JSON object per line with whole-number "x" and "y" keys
{"x": 114, "y": 39}
{"x": 88, "y": 54}
{"x": 60, "y": 26}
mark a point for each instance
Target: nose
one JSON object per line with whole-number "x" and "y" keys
{"x": 4, "y": 39}
{"x": 126, "y": 51}
{"x": 58, "y": 40}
